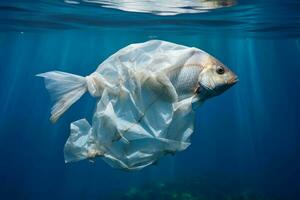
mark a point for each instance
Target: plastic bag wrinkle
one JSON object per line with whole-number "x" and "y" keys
{"x": 140, "y": 116}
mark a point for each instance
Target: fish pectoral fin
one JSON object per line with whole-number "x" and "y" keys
{"x": 161, "y": 85}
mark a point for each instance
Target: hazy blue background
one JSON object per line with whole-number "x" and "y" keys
{"x": 248, "y": 137}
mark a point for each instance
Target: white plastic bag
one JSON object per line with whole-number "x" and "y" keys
{"x": 144, "y": 111}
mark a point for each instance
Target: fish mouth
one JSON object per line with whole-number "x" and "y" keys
{"x": 233, "y": 80}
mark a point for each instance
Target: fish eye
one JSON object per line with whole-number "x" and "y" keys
{"x": 220, "y": 70}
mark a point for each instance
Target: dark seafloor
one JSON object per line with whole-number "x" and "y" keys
{"x": 247, "y": 141}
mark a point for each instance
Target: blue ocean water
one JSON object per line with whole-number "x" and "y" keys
{"x": 246, "y": 144}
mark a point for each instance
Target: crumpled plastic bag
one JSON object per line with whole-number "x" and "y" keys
{"x": 129, "y": 134}
{"x": 144, "y": 110}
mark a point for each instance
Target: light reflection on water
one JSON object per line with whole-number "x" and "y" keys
{"x": 171, "y": 7}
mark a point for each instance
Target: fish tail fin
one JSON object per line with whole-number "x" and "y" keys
{"x": 65, "y": 89}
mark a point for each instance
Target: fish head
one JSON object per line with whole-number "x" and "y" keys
{"x": 215, "y": 78}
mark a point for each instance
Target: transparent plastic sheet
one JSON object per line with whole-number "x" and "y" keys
{"x": 143, "y": 110}
{"x": 130, "y": 136}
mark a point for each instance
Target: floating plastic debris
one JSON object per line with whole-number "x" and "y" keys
{"x": 147, "y": 95}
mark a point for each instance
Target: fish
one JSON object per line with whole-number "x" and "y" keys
{"x": 202, "y": 75}
{"x": 146, "y": 95}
